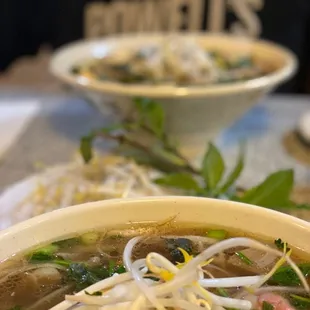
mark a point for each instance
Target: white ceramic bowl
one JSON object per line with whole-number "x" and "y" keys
{"x": 194, "y": 114}
{"x": 112, "y": 213}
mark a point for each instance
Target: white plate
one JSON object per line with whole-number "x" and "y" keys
{"x": 11, "y": 211}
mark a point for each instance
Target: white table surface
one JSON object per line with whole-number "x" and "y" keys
{"x": 46, "y": 128}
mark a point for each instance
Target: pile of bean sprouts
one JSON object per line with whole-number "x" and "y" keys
{"x": 154, "y": 282}
{"x": 104, "y": 178}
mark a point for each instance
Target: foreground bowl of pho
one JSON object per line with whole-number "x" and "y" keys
{"x": 212, "y": 79}
{"x": 157, "y": 253}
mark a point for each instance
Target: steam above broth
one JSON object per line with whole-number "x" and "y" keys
{"x": 157, "y": 267}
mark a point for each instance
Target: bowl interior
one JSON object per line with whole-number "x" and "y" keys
{"x": 277, "y": 60}
{"x": 72, "y": 221}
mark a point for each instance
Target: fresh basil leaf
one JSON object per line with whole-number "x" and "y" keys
{"x": 179, "y": 180}
{"x": 234, "y": 174}
{"x": 286, "y": 276}
{"x": 152, "y": 115}
{"x": 273, "y": 193}
{"x": 212, "y": 167}
{"x": 267, "y": 306}
{"x": 86, "y": 145}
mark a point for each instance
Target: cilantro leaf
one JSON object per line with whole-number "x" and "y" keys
{"x": 286, "y": 276}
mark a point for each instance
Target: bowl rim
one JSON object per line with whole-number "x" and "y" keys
{"x": 161, "y": 91}
{"x": 14, "y": 233}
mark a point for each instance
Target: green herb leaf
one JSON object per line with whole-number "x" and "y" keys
{"x": 300, "y": 302}
{"x": 46, "y": 258}
{"x": 218, "y": 234}
{"x": 212, "y": 167}
{"x": 286, "y": 276}
{"x": 274, "y": 192}
{"x": 111, "y": 267}
{"x": 16, "y": 308}
{"x": 40, "y": 257}
{"x": 44, "y": 254}
{"x": 86, "y": 150}
{"x": 173, "y": 245}
{"x": 235, "y": 173}
{"x": 152, "y": 115}
{"x": 179, "y": 180}
{"x": 97, "y": 293}
{"x": 119, "y": 269}
{"x": 82, "y": 276}
{"x": 280, "y": 245}
{"x": 267, "y": 306}
{"x": 244, "y": 258}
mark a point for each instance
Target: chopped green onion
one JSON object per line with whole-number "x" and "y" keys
{"x": 300, "y": 302}
{"x": 48, "y": 250}
{"x": 244, "y": 258}
{"x": 222, "y": 292}
{"x": 301, "y": 298}
{"x": 90, "y": 238}
{"x": 267, "y": 306}
{"x": 44, "y": 253}
{"x": 218, "y": 234}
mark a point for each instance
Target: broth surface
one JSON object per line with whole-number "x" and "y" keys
{"x": 41, "y": 278}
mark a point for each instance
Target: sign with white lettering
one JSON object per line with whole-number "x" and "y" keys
{"x": 120, "y": 16}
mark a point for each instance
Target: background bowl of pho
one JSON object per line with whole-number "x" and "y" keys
{"x": 177, "y": 252}
{"x": 212, "y": 79}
